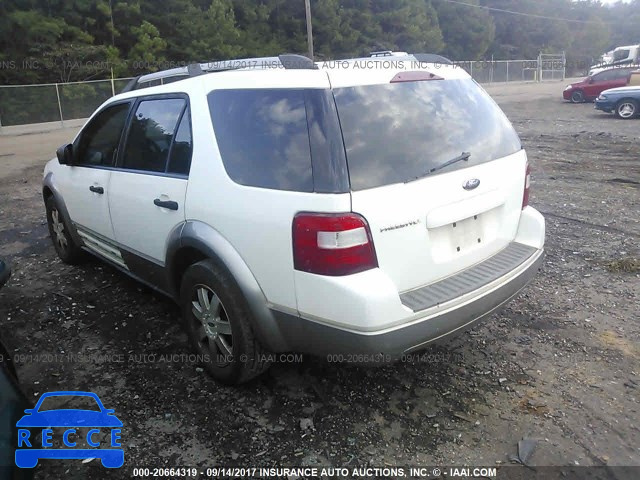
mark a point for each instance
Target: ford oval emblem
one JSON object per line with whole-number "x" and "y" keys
{"x": 471, "y": 184}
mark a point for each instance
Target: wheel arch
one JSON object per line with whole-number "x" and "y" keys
{"x": 194, "y": 241}
{"x": 46, "y": 192}
{"x": 50, "y": 190}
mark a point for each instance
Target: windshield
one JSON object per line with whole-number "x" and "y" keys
{"x": 397, "y": 132}
{"x": 621, "y": 55}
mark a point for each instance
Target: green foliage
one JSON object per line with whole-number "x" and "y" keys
{"x": 467, "y": 32}
{"x": 150, "y": 46}
{"x": 207, "y": 34}
{"x": 62, "y": 40}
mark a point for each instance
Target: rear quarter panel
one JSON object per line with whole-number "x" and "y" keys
{"x": 256, "y": 221}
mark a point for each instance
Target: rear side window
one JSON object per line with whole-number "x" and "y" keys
{"x": 151, "y": 134}
{"x": 624, "y": 73}
{"x": 182, "y": 148}
{"x": 397, "y": 132}
{"x": 614, "y": 74}
{"x": 263, "y": 137}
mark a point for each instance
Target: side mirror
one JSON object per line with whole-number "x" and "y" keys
{"x": 65, "y": 154}
{"x": 590, "y": 80}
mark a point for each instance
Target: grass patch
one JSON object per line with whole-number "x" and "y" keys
{"x": 628, "y": 265}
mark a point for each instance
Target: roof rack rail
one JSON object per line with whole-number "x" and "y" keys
{"x": 292, "y": 61}
{"x": 194, "y": 69}
{"x": 131, "y": 85}
{"x": 431, "y": 58}
{"x": 388, "y": 53}
{"x": 288, "y": 61}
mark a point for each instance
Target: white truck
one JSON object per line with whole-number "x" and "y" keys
{"x": 625, "y": 55}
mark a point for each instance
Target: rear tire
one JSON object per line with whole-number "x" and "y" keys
{"x": 60, "y": 234}
{"x": 577, "y": 97}
{"x": 627, "y": 109}
{"x": 217, "y": 321}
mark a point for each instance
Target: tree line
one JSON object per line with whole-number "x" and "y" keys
{"x": 71, "y": 40}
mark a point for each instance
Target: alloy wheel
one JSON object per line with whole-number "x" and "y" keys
{"x": 626, "y": 110}
{"x": 58, "y": 230}
{"x": 211, "y": 324}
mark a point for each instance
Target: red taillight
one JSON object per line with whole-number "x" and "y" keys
{"x": 332, "y": 244}
{"x": 527, "y": 186}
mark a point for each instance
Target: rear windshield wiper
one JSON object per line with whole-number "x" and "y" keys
{"x": 463, "y": 157}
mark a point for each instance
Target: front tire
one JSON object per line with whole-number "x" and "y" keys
{"x": 218, "y": 324}
{"x": 60, "y": 234}
{"x": 627, "y": 109}
{"x": 577, "y": 97}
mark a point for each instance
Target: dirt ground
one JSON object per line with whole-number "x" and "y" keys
{"x": 560, "y": 365}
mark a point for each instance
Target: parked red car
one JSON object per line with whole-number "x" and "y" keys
{"x": 591, "y": 87}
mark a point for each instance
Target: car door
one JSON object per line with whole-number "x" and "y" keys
{"x": 147, "y": 189}
{"x": 84, "y": 184}
{"x": 620, "y": 78}
{"x": 598, "y": 84}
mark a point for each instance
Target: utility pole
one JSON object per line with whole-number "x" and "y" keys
{"x": 307, "y": 7}
{"x": 113, "y": 27}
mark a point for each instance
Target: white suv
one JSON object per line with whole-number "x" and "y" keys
{"x": 365, "y": 207}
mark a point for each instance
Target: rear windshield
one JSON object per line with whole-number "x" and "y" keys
{"x": 397, "y": 132}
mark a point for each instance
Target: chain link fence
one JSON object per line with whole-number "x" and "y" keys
{"x": 501, "y": 71}
{"x": 60, "y": 102}
{"x": 547, "y": 67}
{"x": 55, "y": 102}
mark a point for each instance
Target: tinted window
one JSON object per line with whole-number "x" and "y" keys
{"x": 396, "y": 132}
{"x": 623, "y": 73}
{"x": 330, "y": 173}
{"x": 621, "y": 55}
{"x": 180, "y": 157}
{"x": 98, "y": 143}
{"x": 151, "y": 133}
{"x": 615, "y": 74}
{"x": 263, "y": 137}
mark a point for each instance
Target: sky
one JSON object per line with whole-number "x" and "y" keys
{"x": 609, "y": 2}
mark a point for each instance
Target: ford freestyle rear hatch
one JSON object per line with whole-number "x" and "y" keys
{"x": 435, "y": 168}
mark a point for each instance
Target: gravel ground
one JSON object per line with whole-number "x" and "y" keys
{"x": 560, "y": 365}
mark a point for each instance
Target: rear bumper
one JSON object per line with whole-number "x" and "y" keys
{"x": 311, "y": 336}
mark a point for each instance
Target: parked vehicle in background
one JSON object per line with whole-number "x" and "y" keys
{"x": 368, "y": 210}
{"x": 624, "y": 102}
{"x": 588, "y": 89}
{"x": 620, "y": 56}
